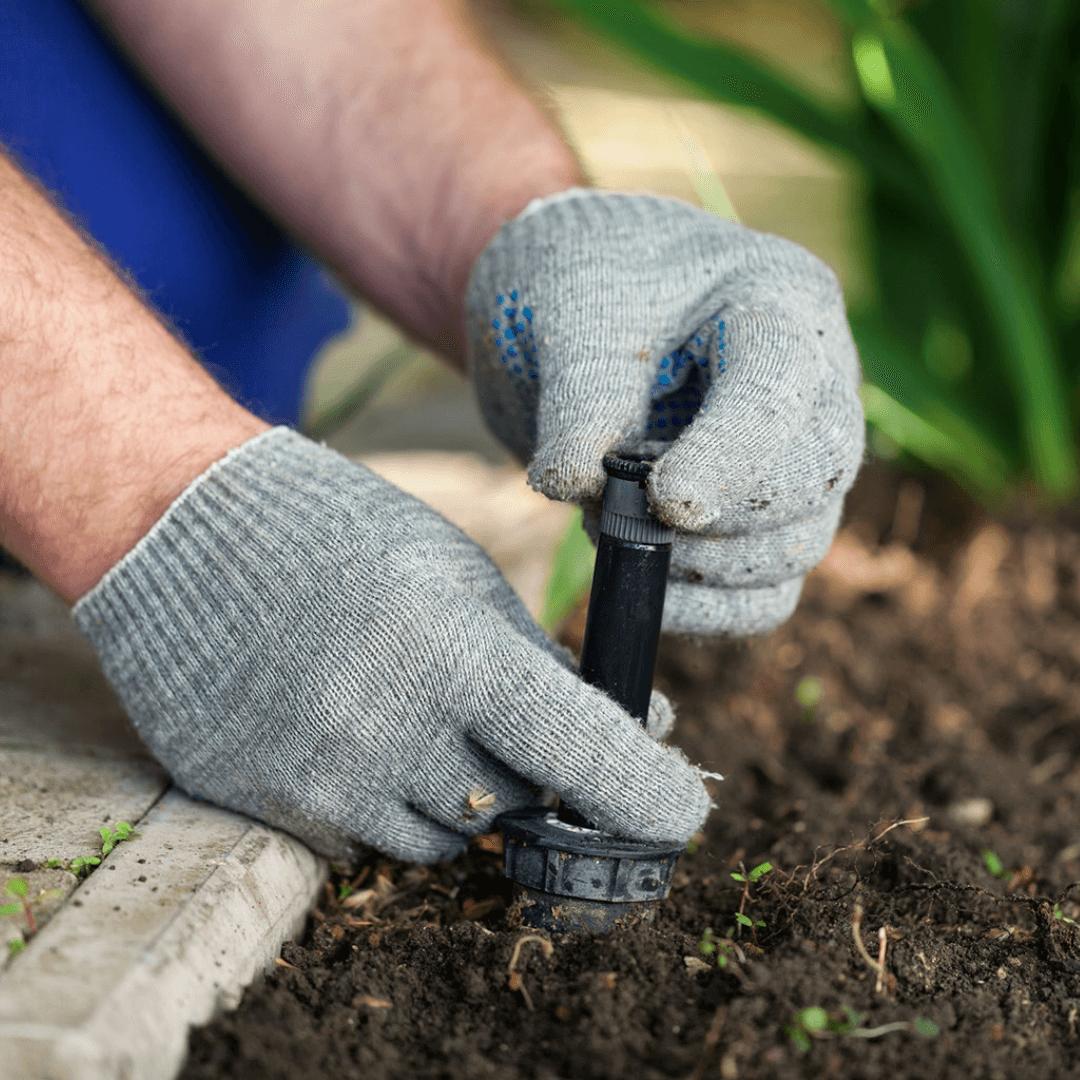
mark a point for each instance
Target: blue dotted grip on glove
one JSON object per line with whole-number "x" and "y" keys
{"x": 655, "y": 325}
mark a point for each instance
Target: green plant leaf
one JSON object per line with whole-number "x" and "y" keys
{"x": 1066, "y": 279}
{"x": 10, "y": 909}
{"x": 760, "y": 871}
{"x": 15, "y": 946}
{"x": 962, "y": 162}
{"x": 798, "y": 1037}
{"x": 729, "y": 75}
{"x": 81, "y": 865}
{"x": 924, "y": 417}
{"x": 926, "y": 1028}
{"x": 993, "y": 863}
{"x": 923, "y": 112}
{"x": 16, "y": 887}
{"x": 745, "y": 920}
{"x": 808, "y": 692}
{"x": 571, "y": 572}
{"x": 813, "y": 1018}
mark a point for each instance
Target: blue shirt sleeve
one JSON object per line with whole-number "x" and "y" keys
{"x": 251, "y": 303}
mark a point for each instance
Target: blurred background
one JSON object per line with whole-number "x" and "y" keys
{"x": 928, "y": 150}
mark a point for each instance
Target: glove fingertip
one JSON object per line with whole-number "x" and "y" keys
{"x": 672, "y": 808}
{"x": 679, "y": 494}
{"x": 661, "y": 717}
{"x": 570, "y": 468}
{"x": 713, "y": 611}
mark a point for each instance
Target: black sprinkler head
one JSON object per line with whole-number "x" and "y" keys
{"x": 568, "y": 875}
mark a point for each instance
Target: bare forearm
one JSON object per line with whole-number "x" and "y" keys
{"x": 376, "y": 128}
{"x": 104, "y": 417}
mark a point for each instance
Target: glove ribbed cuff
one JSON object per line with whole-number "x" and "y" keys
{"x": 172, "y": 621}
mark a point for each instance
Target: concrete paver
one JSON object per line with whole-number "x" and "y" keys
{"x": 52, "y": 804}
{"x": 168, "y": 930}
{"x": 51, "y": 807}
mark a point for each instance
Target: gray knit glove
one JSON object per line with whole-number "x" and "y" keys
{"x": 299, "y": 640}
{"x": 601, "y": 321}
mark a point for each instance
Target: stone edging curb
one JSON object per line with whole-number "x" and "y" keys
{"x": 166, "y": 932}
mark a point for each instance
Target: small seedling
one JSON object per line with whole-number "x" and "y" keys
{"x": 15, "y": 946}
{"x": 1062, "y": 917}
{"x": 748, "y": 878}
{"x": 17, "y": 887}
{"x": 755, "y": 875}
{"x": 994, "y": 864}
{"x": 804, "y": 1024}
{"x": 111, "y": 837}
{"x": 723, "y": 948}
{"x": 80, "y": 866}
{"x": 808, "y": 695}
{"x": 745, "y": 920}
{"x": 814, "y": 1021}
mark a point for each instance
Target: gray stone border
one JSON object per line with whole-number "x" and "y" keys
{"x": 166, "y": 932}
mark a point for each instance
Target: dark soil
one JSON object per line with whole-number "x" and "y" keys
{"x": 947, "y": 649}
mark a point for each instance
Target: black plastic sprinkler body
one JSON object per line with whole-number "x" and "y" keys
{"x": 568, "y": 875}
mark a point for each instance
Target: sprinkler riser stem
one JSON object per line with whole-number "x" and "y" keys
{"x": 568, "y": 875}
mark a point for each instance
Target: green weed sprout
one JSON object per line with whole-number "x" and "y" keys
{"x": 1061, "y": 916}
{"x": 804, "y": 1024}
{"x": 748, "y": 878}
{"x": 111, "y": 837}
{"x": 814, "y": 1021}
{"x": 808, "y": 695}
{"x": 755, "y": 875}
{"x": 993, "y": 864}
{"x": 723, "y": 948}
{"x": 17, "y": 887}
{"x": 82, "y": 865}
{"x": 15, "y": 946}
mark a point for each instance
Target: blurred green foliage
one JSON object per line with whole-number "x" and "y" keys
{"x": 571, "y": 573}
{"x": 967, "y": 130}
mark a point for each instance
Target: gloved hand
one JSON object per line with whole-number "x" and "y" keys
{"x": 299, "y": 640}
{"x": 601, "y": 321}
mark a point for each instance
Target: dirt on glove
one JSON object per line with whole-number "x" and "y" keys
{"x": 904, "y": 754}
